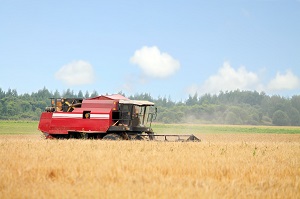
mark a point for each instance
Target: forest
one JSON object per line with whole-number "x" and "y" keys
{"x": 230, "y": 107}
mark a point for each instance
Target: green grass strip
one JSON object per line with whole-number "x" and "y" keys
{"x": 18, "y": 127}
{"x": 194, "y": 128}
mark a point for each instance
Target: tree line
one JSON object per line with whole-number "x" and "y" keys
{"x": 230, "y": 107}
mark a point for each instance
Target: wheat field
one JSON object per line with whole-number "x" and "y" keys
{"x": 221, "y": 166}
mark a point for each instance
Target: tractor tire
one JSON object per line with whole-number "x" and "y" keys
{"x": 151, "y": 135}
{"x": 138, "y": 137}
{"x": 112, "y": 136}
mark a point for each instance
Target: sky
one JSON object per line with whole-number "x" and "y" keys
{"x": 164, "y": 48}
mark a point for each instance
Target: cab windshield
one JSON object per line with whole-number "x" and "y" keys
{"x": 144, "y": 114}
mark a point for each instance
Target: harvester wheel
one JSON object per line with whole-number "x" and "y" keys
{"x": 151, "y": 135}
{"x": 138, "y": 137}
{"x": 112, "y": 136}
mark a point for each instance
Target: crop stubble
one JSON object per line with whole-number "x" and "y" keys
{"x": 223, "y": 165}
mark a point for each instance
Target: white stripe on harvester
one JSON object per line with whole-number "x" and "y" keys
{"x": 66, "y": 115}
{"x": 100, "y": 116}
{"x": 78, "y": 115}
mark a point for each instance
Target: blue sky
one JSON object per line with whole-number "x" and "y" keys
{"x": 165, "y": 48}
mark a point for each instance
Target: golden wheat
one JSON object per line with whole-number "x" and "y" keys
{"x": 241, "y": 166}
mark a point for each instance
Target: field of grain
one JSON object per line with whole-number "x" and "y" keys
{"x": 223, "y": 165}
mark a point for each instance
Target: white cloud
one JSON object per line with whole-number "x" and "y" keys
{"x": 155, "y": 63}
{"x": 287, "y": 81}
{"x": 227, "y": 78}
{"x": 76, "y": 73}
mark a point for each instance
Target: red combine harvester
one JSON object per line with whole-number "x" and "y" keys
{"x": 110, "y": 117}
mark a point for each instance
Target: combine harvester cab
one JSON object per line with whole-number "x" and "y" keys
{"x": 110, "y": 117}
